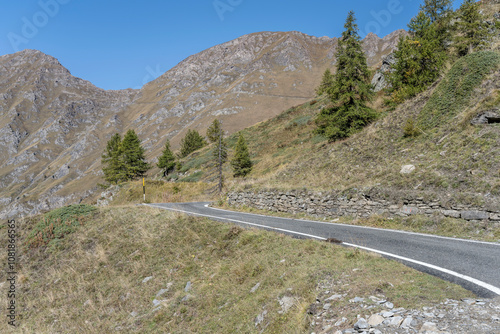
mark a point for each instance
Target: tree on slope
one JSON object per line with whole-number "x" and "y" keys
{"x": 166, "y": 162}
{"x": 351, "y": 89}
{"x": 326, "y": 83}
{"x": 420, "y": 58}
{"x": 113, "y": 165}
{"x": 440, "y": 13}
{"x": 436, "y": 10}
{"x": 133, "y": 156}
{"x": 191, "y": 142}
{"x": 219, "y": 155}
{"x": 471, "y": 29}
{"x": 214, "y": 130}
{"x": 241, "y": 163}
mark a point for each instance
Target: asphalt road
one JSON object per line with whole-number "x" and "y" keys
{"x": 474, "y": 265}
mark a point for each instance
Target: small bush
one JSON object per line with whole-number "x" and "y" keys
{"x": 410, "y": 130}
{"x": 57, "y": 223}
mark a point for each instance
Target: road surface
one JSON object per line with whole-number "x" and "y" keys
{"x": 475, "y": 265}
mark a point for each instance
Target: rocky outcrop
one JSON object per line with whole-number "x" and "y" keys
{"x": 486, "y": 117}
{"x": 379, "y": 80}
{"x": 54, "y": 126}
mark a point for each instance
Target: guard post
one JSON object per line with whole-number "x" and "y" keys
{"x": 144, "y": 189}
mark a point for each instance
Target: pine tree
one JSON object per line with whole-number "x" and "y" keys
{"x": 214, "y": 130}
{"x": 166, "y": 162}
{"x": 351, "y": 89}
{"x": 440, "y": 13}
{"x": 326, "y": 83}
{"x": 191, "y": 142}
{"x": 472, "y": 31}
{"x": 436, "y": 10}
{"x": 133, "y": 156}
{"x": 241, "y": 163}
{"x": 113, "y": 165}
{"x": 420, "y": 58}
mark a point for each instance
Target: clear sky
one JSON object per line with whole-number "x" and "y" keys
{"x": 121, "y": 44}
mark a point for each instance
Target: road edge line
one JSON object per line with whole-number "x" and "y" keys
{"x": 469, "y": 279}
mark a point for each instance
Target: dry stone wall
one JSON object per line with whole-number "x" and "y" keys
{"x": 333, "y": 205}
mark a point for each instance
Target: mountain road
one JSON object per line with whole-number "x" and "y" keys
{"x": 475, "y": 265}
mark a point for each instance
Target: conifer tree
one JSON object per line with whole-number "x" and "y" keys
{"x": 472, "y": 31}
{"x": 220, "y": 156}
{"x": 436, "y": 10}
{"x": 351, "y": 89}
{"x": 214, "y": 130}
{"x": 113, "y": 165}
{"x": 420, "y": 58}
{"x": 241, "y": 163}
{"x": 440, "y": 13}
{"x": 191, "y": 142}
{"x": 133, "y": 156}
{"x": 326, "y": 83}
{"x": 166, "y": 162}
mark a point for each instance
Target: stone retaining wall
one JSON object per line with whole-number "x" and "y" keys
{"x": 332, "y": 205}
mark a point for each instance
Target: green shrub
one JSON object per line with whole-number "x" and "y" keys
{"x": 195, "y": 177}
{"x": 57, "y": 223}
{"x": 410, "y": 130}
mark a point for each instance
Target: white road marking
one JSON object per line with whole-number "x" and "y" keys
{"x": 424, "y": 264}
{"x": 431, "y": 266}
{"x": 364, "y": 227}
{"x": 241, "y": 222}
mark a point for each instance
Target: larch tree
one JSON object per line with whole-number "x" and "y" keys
{"x": 214, "y": 130}
{"x": 166, "y": 162}
{"x": 326, "y": 83}
{"x": 419, "y": 57}
{"x": 133, "y": 156}
{"x": 471, "y": 29}
{"x": 113, "y": 165}
{"x": 219, "y": 155}
{"x": 191, "y": 142}
{"x": 241, "y": 163}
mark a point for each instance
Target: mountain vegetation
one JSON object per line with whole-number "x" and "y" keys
{"x": 124, "y": 160}
{"x": 166, "y": 162}
{"x": 191, "y": 142}
{"x": 145, "y": 270}
{"x": 349, "y": 89}
{"x": 241, "y": 163}
{"x": 471, "y": 29}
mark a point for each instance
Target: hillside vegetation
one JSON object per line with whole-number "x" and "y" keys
{"x": 455, "y": 161}
{"x": 143, "y": 270}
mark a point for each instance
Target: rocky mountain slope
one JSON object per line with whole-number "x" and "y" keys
{"x": 54, "y": 127}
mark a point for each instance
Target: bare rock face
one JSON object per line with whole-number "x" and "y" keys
{"x": 379, "y": 80}
{"x": 54, "y": 126}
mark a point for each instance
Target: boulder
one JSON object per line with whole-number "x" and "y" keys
{"x": 486, "y": 117}
{"x": 407, "y": 169}
{"x": 475, "y": 215}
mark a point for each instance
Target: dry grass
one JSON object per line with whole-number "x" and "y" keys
{"x": 93, "y": 282}
{"x": 455, "y": 161}
{"x": 162, "y": 192}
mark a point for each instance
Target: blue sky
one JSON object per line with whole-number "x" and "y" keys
{"x": 121, "y": 44}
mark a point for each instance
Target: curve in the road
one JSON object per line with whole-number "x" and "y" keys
{"x": 477, "y": 285}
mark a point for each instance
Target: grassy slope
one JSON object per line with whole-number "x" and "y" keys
{"x": 91, "y": 281}
{"x": 455, "y": 161}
